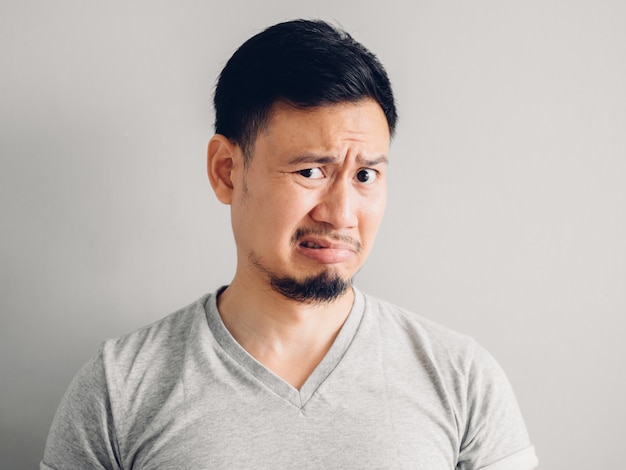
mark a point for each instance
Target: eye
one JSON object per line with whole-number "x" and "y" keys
{"x": 311, "y": 173}
{"x": 366, "y": 176}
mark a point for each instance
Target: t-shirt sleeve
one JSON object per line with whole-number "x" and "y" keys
{"x": 495, "y": 436}
{"x": 83, "y": 432}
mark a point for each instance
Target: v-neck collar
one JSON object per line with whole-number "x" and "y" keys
{"x": 297, "y": 398}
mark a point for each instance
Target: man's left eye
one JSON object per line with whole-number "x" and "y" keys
{"x": 366, "y": 175}
{"x": 311, "y": 173}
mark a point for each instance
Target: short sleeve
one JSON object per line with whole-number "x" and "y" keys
{"x": 83, "y": 433}
{"x": 495, "y": 435}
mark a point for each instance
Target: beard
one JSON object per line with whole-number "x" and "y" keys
{"x": 324, "y": 287}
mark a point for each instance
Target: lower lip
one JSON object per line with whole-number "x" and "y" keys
{"x": 326, "y": 255}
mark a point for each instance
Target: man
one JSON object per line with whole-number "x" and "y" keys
{"x": 290, "y": 366}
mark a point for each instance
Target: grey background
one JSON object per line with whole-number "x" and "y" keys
{"x": 506, "y": 216}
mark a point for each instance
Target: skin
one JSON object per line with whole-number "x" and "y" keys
{"x": 320, "y": 172}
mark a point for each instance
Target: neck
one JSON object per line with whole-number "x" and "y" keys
{"x": 289, "y": 337}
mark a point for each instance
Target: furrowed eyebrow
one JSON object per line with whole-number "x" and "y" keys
{"x": 317, "y": 159}
{"x": 322, "y": 160}
{"x": 376, "y": 161}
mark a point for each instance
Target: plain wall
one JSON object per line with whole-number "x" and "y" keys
{"x": 507, "y": 190}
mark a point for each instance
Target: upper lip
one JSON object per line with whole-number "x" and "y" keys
{"x": 323, "y": 242}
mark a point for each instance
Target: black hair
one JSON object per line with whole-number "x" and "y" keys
{"x": 301, "y": 62}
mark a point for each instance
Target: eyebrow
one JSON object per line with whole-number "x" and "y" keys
{"x": 307, "y": 158}
{"x": 325, "y": 160}
{"x": 376, "y": 161}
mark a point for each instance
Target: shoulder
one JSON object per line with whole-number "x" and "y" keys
{"x": 151, "y": 360}
{"x": 160, "y": 341}
{"x": 453, "y": 359}
{"x": 399, "y": 324}
{"x": 467, "y": 379}
{"x": 106, "y": 394}
{"x": 150, "y": 352}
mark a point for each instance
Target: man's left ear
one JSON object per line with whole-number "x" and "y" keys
{"x": 221, "y": 155}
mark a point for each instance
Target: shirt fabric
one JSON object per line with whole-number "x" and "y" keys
{"x": 394, "y": 391}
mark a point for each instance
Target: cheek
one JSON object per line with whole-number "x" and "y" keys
{"x": 282, "y": 211}
{"x": 373, "y": 212}
{"x": 293, "y": 203}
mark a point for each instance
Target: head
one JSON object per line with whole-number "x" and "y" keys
{"x": 303, "y": 63}
{"x": 304, "y": 116}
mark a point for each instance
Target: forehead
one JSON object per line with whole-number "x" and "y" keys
{"x": 335, "y": 128}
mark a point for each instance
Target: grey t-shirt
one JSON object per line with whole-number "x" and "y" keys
{"x": 394, "y": 391}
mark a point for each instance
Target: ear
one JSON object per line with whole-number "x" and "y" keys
{"x": 221, "y": 155}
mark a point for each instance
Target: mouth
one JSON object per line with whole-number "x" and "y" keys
{"x": 327, "y": 248}
{"x": 320, "y": 239}
{"x": 310, "y": 244}
{"x": 326, "y": 253}
{"x": 324, "y": 244}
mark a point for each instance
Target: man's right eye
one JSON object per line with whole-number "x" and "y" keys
{"x": 312, "y": 173}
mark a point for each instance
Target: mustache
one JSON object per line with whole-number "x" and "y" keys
{"x": 300, "y": 233}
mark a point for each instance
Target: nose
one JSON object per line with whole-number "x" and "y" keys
{"x": 337, "y": 206}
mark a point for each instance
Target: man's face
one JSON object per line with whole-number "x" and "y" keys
{"x": 309, "y": 203}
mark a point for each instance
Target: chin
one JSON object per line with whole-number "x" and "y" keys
{"x": 325, "y": 287}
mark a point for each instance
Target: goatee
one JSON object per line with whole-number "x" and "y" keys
{"x": 322, "y": 288}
